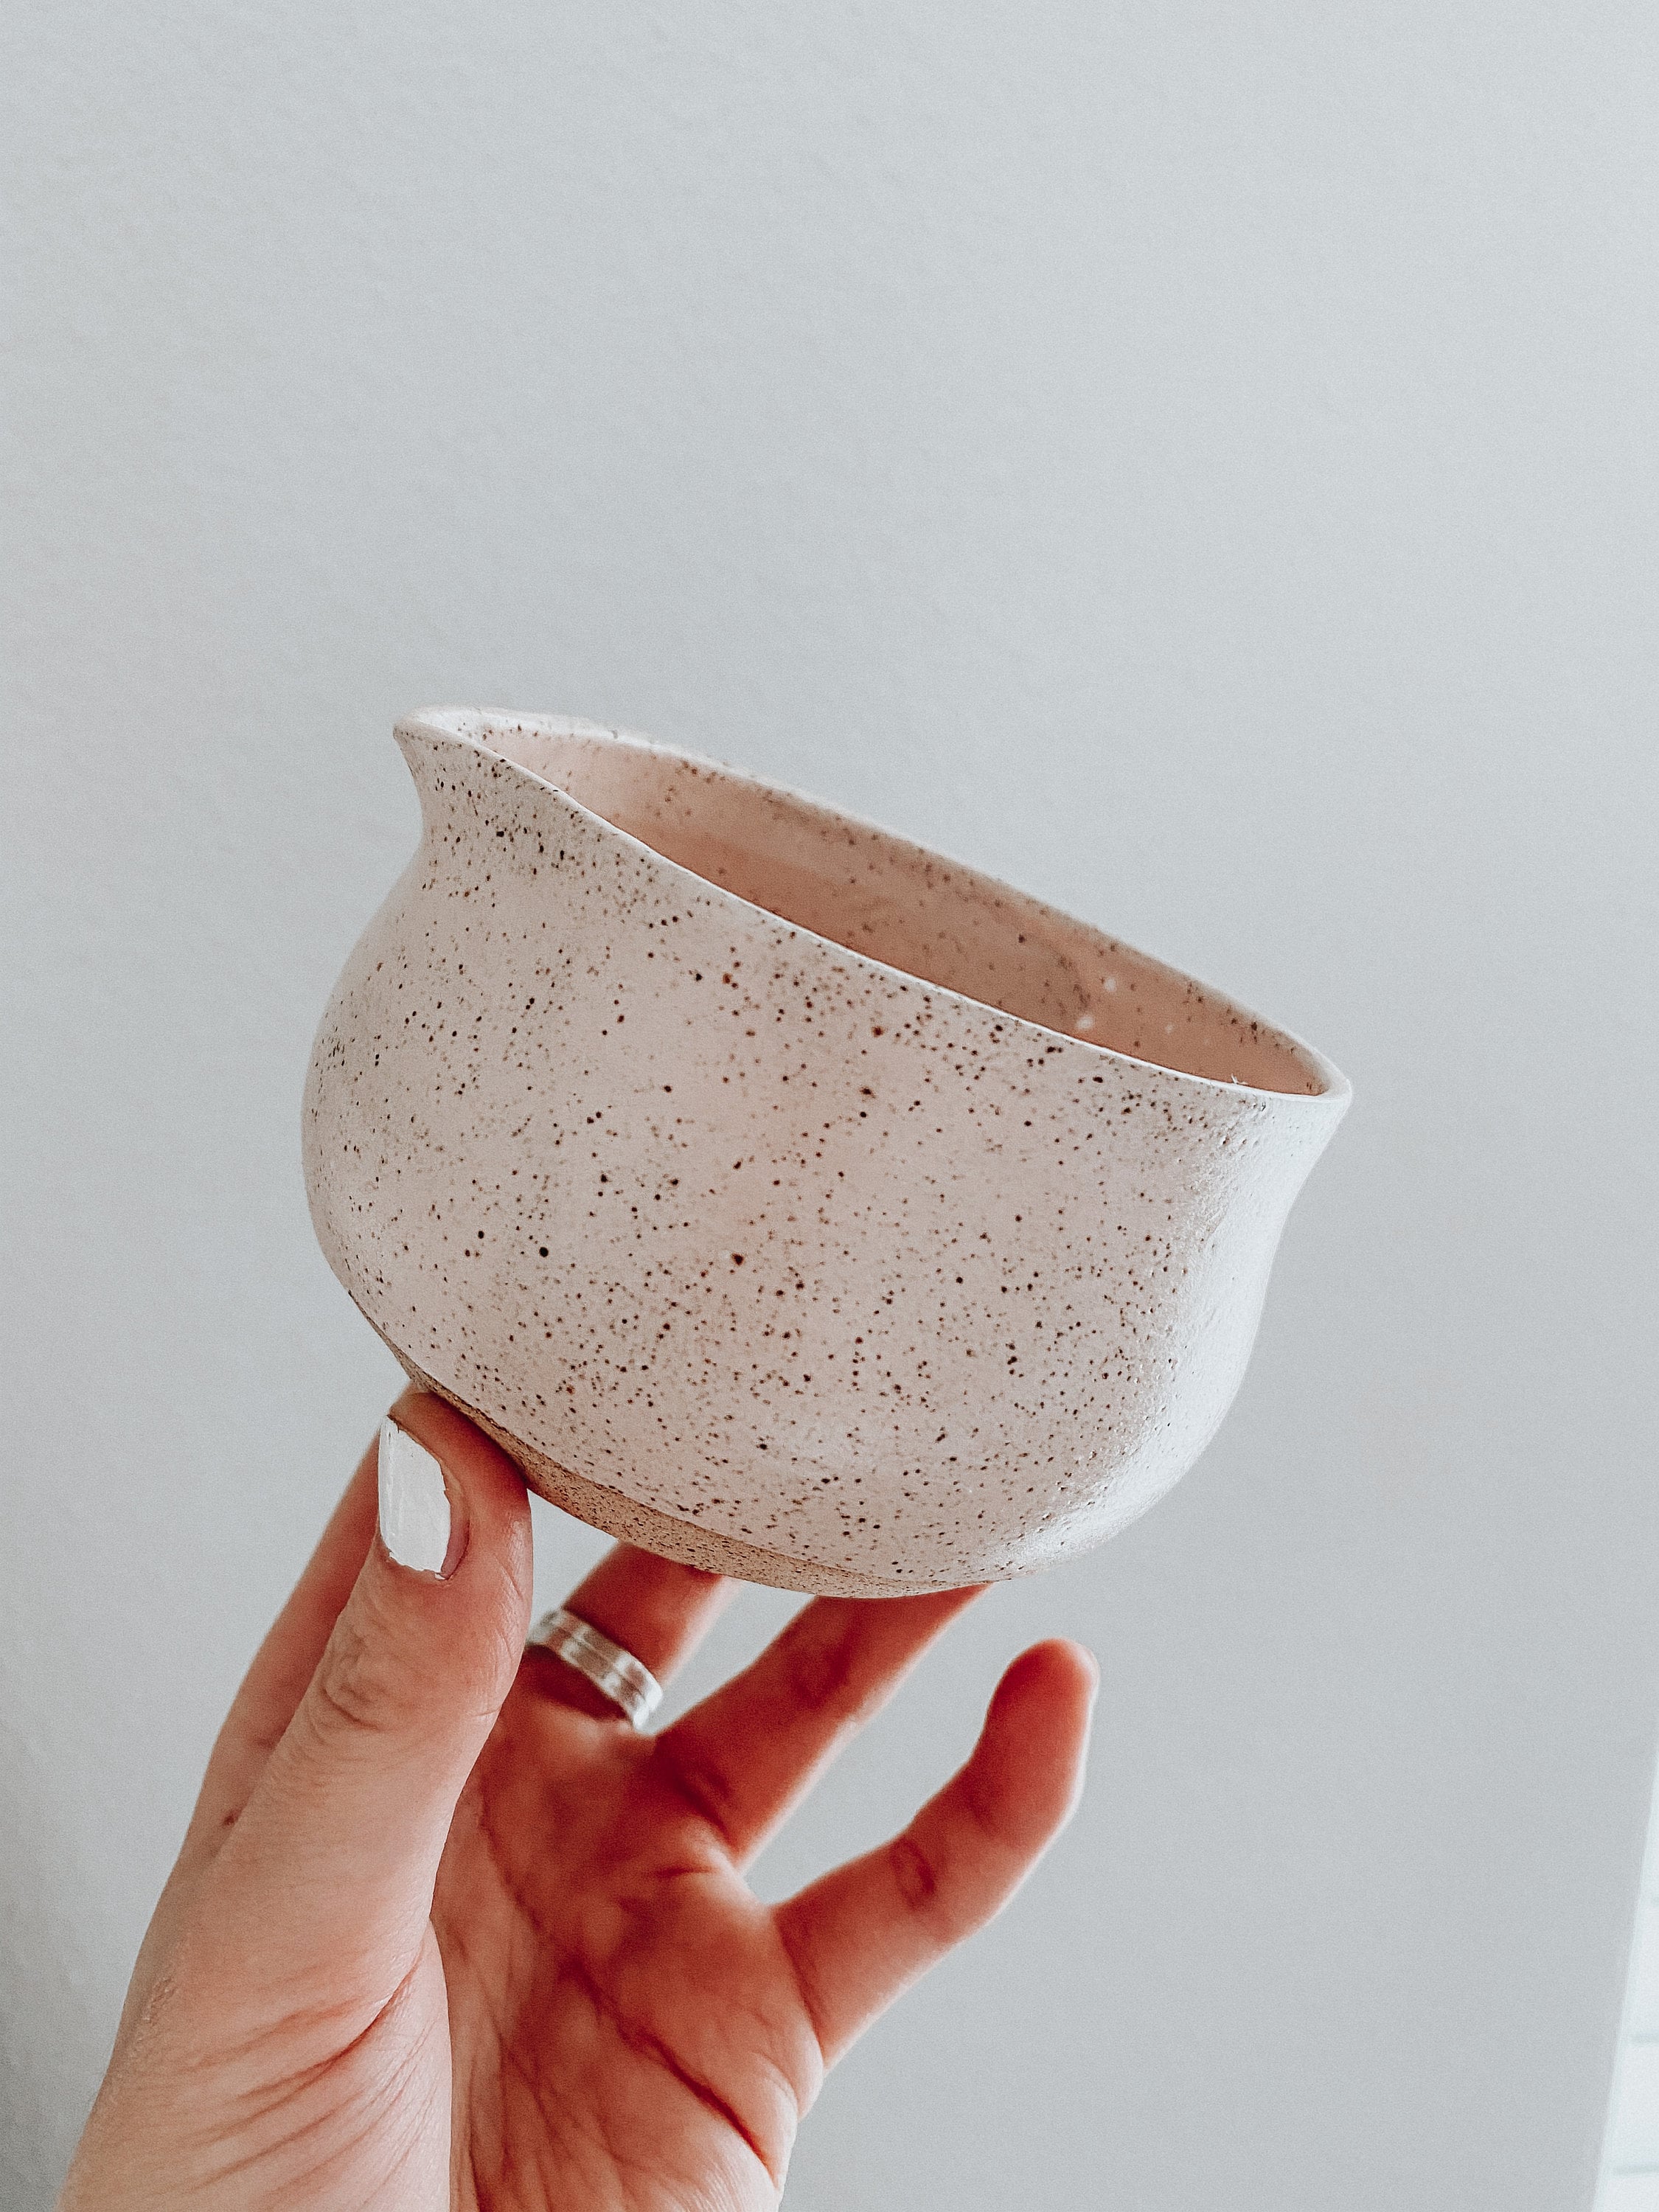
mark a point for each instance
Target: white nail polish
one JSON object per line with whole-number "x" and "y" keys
{"x": 414, "y": 1504}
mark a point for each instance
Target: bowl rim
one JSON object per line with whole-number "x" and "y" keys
{"x": 465, "y": 727}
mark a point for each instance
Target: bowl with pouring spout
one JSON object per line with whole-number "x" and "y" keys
{"x": 783, "y": 1196}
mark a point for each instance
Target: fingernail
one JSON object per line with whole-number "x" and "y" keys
{"x": 416, "y": 1525}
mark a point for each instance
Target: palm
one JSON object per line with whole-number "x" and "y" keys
{"x": 631, "y": 2027}
{"x": 627, "y": 2029}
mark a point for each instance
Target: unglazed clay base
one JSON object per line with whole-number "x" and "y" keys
{"x": 784, "y": 1197}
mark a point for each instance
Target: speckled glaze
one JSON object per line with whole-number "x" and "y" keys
{"x": 783, "y": 1197}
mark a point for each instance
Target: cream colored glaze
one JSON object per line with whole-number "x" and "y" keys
{"x": 784, "y": 1196}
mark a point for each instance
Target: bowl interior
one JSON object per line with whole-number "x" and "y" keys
{"x": 892, "y": 900}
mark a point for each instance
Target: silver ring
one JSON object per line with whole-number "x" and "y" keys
{"x": 626, "y": 1680}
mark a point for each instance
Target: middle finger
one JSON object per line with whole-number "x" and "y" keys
{"x": 745, "y": 1755}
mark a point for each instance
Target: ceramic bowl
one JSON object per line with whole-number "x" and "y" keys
{"x": 784, "y": 1198}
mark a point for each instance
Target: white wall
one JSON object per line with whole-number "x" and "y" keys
{"x": 1197, "y": 461}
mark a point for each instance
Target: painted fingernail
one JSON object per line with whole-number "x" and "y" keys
{"x": 415, "y": 1522}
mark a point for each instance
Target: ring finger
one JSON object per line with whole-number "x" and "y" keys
{"x": 655, "y": 1608}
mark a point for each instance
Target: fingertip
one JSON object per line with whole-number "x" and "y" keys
{"x": 1059, "y": 1669}
{"x": 487, "y": 1561}
{"x": 446, "y": 1429}
{"x": 1085, "y": 1665}
{"x": 423, "y": 1517}
{"x": 1032, "y": 1754}
{"x": 492, "y": 1487}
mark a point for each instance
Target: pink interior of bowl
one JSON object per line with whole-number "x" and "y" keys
{"x": 880, "y": 896}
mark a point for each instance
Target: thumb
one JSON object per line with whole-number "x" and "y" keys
{"x": 333, "y": 1860}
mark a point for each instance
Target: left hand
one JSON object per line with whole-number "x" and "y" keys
{"x": 445, "y": 1932}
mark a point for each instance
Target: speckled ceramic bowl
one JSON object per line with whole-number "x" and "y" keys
{"x": 783, "y": 1197}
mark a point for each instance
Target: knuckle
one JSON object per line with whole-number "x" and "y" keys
{"x": 822, "y": 1670}
{"x": 701, "y": 1784}
{"x": 161, "y": 2001}
{"x": 915, "y": 1874}
{"x": 351, "y": 1694}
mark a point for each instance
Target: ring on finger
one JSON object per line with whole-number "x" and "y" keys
{"x": 611, "y": 1668}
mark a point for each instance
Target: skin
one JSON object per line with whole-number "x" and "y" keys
{"x": 445, "y": 1932}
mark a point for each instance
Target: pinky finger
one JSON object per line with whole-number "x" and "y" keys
{"x": 864, "y": 1933}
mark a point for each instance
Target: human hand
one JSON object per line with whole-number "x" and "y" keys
{"x": 445, "y": 1932}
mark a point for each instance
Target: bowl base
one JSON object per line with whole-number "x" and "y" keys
{"x": 670, "y": 1538}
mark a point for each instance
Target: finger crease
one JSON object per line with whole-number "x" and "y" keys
{"x": 701, "y": 1787}
{"x": 915, "y": 1873}
{"x": 806, "y": 1989}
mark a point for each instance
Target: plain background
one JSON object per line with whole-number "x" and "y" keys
{"x": 1195, "y": 461}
